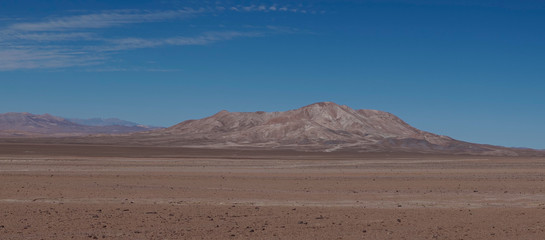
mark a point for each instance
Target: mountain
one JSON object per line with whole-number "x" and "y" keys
{"x": 323, "y": 126}
{"x": 27, "y": 124}
{"x": 103, "y": 122}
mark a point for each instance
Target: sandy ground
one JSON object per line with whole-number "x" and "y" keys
{"x": 98, "y": 192}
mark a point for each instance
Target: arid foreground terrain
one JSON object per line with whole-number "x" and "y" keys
{"x": 52, "y": 191}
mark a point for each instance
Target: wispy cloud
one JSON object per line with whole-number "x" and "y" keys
{"x": 102, "y": 20}
{"x": 270, "y": 8}
{"x": 203, "y": 39}
{"x": 50, "y": 37}
{"x": 45, "y": 58}
{"x": 132, "y": 69}
{"x": 86, "y": 39}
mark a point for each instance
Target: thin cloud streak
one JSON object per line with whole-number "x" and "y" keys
{"x": 137, "y": 69}
{"x": 206, "y": 38}
{"x": 268, "y": 8}
{"x": 51, "y": 37}
{"x": 16, "y": 59}
{"x": 102, "y": 20}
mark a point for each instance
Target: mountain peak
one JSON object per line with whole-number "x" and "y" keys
{"x": 222, "y": 112}
{"x": 323, "y": 105}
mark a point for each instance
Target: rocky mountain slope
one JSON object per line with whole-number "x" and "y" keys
{"x": 323, "y": 126}
{"x": 27, "y": 124}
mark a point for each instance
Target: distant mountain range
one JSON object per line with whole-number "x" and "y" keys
{"x": 323, "y": 126}
{"x": 103, "y": 122}
{"x": 27, "y": 124}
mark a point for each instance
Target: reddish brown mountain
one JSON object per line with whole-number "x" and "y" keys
{"x": 26, "y": 124}
{"x": 323, "y": 126}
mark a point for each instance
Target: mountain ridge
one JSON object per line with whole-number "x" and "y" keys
{"x": 26, "y": 124}
{"x": 103, "y": 122}
{"x": 318, "y": 127}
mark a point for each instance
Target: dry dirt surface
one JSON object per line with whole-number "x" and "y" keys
{"x": 51, "y": 191}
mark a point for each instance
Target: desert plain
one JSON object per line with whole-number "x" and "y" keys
{"x": 85, "y": 191}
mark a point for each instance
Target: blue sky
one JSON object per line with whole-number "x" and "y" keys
{"x": 472, "y": 70}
